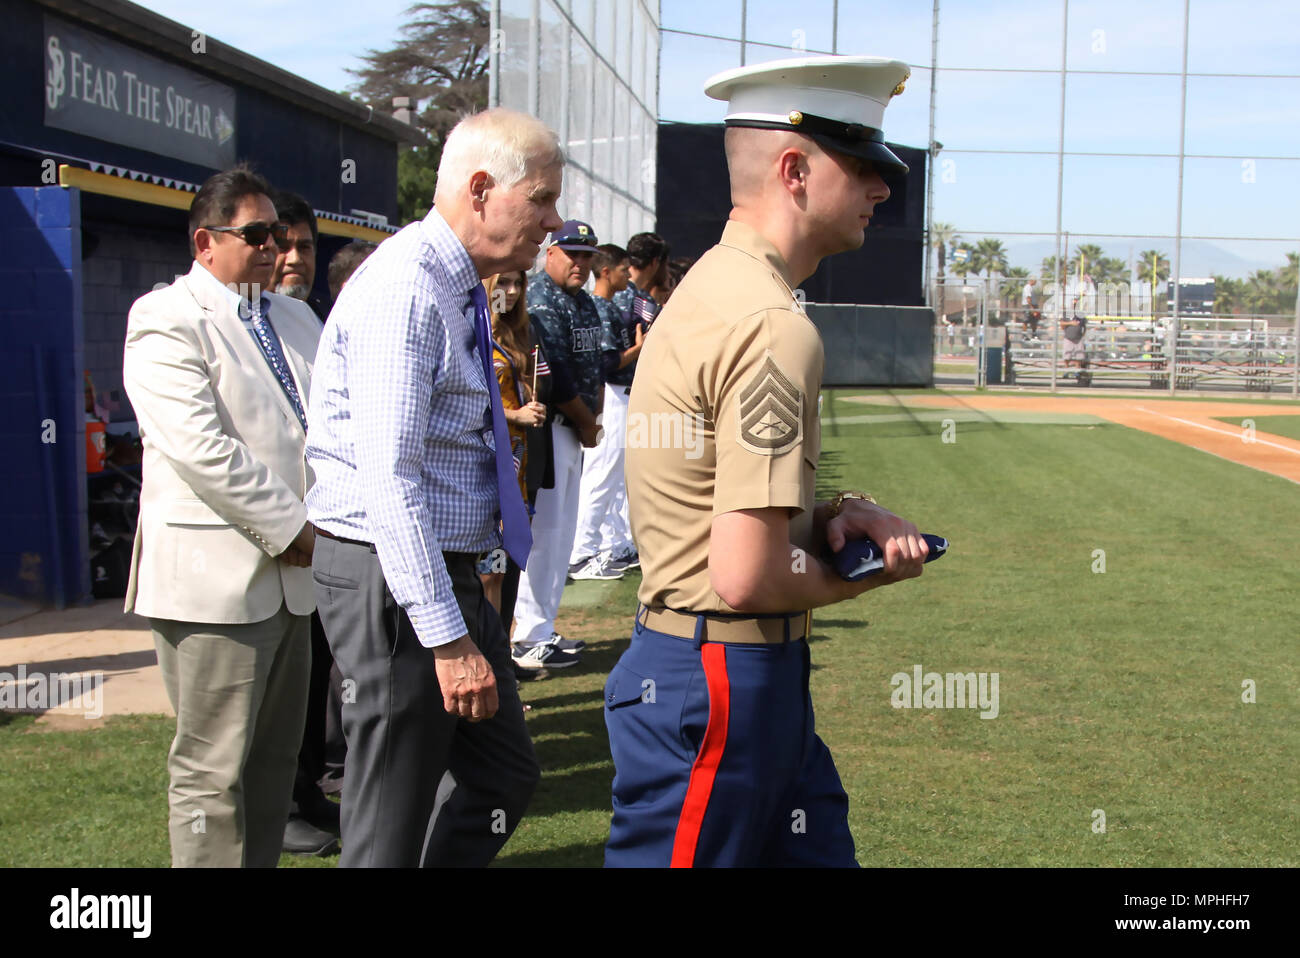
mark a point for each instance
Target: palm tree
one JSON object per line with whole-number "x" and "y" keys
{"x": 1047, "y": 272}
{"x": 1228, "y": 294}
{"x": 1264, "y": 295}
{"x": 989, "y": 256}
{"x": 1085, "y": 255}
{"x": 1109, "y": 269}
{"x": 962, "y": 269}
{"x": 942, "y": 238}
{"x": 1153, "y": 266}
{"x": 1013, "y": 284}
{"x": 1290, "y": 273}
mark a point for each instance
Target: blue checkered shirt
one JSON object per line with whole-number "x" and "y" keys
{"x": 401, "y": 424}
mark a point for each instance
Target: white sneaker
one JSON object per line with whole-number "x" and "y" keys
{"x": 565, "y": 645}
{"x": 542, "y": 656}
{"x": 597, "y": 567}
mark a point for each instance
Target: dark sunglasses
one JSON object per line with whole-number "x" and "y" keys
{"x": 255, "y": 234}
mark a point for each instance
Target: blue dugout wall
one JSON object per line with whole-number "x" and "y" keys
{"x": 44, "y": 549}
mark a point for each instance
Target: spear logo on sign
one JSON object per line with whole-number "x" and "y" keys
{"x": 771, "y": 411}
{"x": 99, "y": 88}
{"x": 54, "y": 81}
{"x": 224, "y": 127}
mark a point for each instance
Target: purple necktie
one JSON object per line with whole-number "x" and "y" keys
{"x": 516, "y": 535}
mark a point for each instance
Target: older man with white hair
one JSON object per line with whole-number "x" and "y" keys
{"x": 415, "y": 481}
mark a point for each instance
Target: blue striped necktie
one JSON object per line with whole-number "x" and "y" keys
{"x": 266, "y": 338}
{"x": 516, "y": 535}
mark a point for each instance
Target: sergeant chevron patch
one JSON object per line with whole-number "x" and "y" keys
{"x": 771, "y": 411}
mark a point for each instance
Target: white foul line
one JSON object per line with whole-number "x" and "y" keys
{"x": 1223, "y": 432}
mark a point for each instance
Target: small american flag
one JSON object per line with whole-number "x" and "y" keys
{"x": 540, "y": 366}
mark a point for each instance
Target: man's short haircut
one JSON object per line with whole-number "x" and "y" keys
{"x": 345, "y": 262}
{"x": 292, "y": 209}
{"x": 219, "y": 196}
{"x": 504, "y": 143}
{"x": 608, "y": 256}
{"x": 644, "y": 248}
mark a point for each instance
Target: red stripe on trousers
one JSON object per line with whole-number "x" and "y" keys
{"x": 704, "y": 770}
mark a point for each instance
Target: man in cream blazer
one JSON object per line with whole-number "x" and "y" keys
{"x": 218, "y": 373}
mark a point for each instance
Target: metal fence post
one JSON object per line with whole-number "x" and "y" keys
{"x": 981, "y": 373}
{"x": 1295, "y": 347}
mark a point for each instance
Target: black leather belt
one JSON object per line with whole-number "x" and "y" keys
{"x": 450, "y": 558}
{"x": 352, "y": 542}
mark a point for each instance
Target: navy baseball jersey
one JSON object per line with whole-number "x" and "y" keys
{"x": 618, "y": 335}
{"x": 571, "y": 332}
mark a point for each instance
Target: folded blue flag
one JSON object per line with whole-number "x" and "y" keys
{"x": 862, "y": 557}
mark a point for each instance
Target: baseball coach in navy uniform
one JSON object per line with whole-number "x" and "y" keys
{"x": 571, "y": 330}
{"x": 708, "y": 711}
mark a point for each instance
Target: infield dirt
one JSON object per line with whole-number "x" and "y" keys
{"x": 1194, "y": 423}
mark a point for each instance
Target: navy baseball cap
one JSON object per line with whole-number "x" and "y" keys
{"x": 575, "y": 236}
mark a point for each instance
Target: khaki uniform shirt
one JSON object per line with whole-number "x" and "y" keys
{"x": 722, "y": 416}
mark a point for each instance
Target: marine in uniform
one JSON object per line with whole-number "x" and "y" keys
{"x": 570, "y": 328}
{"x": 708, "y": 711}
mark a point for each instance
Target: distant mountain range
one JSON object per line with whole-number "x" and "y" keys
{"x": 1200, "y": 257}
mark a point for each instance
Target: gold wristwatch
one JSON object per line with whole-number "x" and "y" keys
{"x": 838, "y": 502}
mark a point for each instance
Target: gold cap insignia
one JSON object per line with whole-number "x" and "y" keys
{"x": 898, "y": 89}
{"x": 796, "y": 117}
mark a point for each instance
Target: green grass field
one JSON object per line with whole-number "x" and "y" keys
{"x": 1119, "y": 691}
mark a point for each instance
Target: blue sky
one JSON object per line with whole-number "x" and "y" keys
{"x": 1112, "y": 110}
{"x": 982, "y": 193}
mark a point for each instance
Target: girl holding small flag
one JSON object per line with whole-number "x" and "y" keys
{"x": 514, "y": 357}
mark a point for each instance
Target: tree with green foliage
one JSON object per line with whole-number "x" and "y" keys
{"x": 989, "y": 257}
{"x": 1264, "y": 294}
{"x": 1290, "y": 273}
{"x": 963, "y": 269}
{"x": 1109, "y": 269}
{"x": 942, "y": 238}
{"x": 1047, "y": 272}
{"x": 1013, "y": 284}
{"x": 1086, "y": 256}
{"x": 1229, "y": 294}
{"x": 441, "y": 63}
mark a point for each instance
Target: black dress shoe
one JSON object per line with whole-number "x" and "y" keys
{"x": 303, "y": 838}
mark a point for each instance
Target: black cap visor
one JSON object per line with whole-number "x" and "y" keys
{"x": 887, "y": 164}
{"x": 850, "y": 138}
